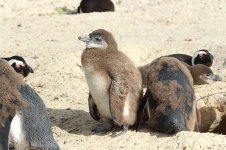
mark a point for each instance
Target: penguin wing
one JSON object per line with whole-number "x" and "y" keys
{"x": 142, "y": 110}
{"x": 93, "y": 108}
{"x": 198, "y": 119}
{"x": 118, "y": 94}
{"x": 182, "y": 57}
{"x": 33, "y": 148}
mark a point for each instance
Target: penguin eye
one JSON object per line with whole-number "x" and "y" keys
{"x": 13, "y": 64}
{"x": 208, "y": 74}
{"x": 98, "y": 38}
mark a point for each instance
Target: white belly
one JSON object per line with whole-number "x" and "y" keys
{"x": 17, "y": 134}
{"x": 100, "y": 93}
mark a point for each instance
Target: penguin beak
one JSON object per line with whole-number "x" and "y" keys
{"x": 215, "y": 77}
{"x": 30, "y": 69}
{"x": 26, "y": 70}
{"x": 211, "y": 56}
{"x": 84, "y": 38}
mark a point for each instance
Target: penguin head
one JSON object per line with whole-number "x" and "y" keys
{"x": 202, "y": 56}
{"x": 19, "y": 65}
{"x": 203, "y": 75}
{"x": 101, "y": 39}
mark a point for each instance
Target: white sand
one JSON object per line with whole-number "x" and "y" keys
{"x": 144, "y": 30}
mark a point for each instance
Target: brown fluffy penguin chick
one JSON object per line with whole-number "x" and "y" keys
{"x": 10, "y": 99}
{"x": 202, "y": 74}
{"x": 144, "y": 70}
{"x": 113, "y": 80}
{"x": 170, "y": 96}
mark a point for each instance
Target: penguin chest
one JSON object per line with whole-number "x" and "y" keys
{"x": 17, "y": 133}
{"x": 99, "y": 88}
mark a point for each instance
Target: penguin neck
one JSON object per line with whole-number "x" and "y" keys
{"x": 192, "y": 72}
{"x": 193, "y": 58}
{"x": 195, "y": 76}
{"x": 144, "y": 74}
{"x": 111, "y": 45}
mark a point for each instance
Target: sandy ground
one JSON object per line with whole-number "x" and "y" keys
{"x": 144, "y": 30}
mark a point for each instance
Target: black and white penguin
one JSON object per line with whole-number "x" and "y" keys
{"x": 87, "y": 6}
{"x": 31, "y": 126}
{"x": 19, "y": 65}
{"x": 202, "y": 56}
{"x": 115, "y": 85}
{"x": 170, "y": 96}
{"x": 10, "y": 100}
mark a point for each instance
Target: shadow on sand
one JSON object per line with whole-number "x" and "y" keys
{"x": 80, "y": 122}
{"x": 76, "y": 121}
{"x": 73, "y": 121}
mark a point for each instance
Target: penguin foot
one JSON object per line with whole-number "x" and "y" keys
{"x": 103, "y": 128}
{"x": 33, "y": 148}
{"x": 118, "y": 133}
{"x": 11, "y": 147}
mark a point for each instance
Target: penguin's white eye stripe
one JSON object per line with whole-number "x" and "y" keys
{"x": 17, "y": 62}
{"x": 202, "y": 52}
{"x": 195, "y": 55}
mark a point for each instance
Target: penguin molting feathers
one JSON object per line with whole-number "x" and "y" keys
{"x": 198, "y": 64}
{"x": 170, "y": 97}
{"x": 9, "y": 91}
{"x": 10, "y": 100}
{"x": 186, "y": 74}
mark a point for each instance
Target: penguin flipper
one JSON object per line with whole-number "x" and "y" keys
{"x": 33, "y": 148}
{"x": 182, "y": 57}
{"x": 124, "y": 130}
{"x": 142, "y": 110}
{"x": 105, "y": 127}
{"x": 93, "y": 108}
{"x": 198, "y": 119}
{"x": 118, "y": 94}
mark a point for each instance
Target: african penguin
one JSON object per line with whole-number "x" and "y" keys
{"x": 170, "y": 96}
{"x": 115, "y": 85}
{"x": 87, "y": 6}
{"x": 10, "y": 100}
{"x": 31, "y": 126}
{"x": 202, "y": 57}
{"x": 202, "y": 74}
{"x": 19, "y": 65}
